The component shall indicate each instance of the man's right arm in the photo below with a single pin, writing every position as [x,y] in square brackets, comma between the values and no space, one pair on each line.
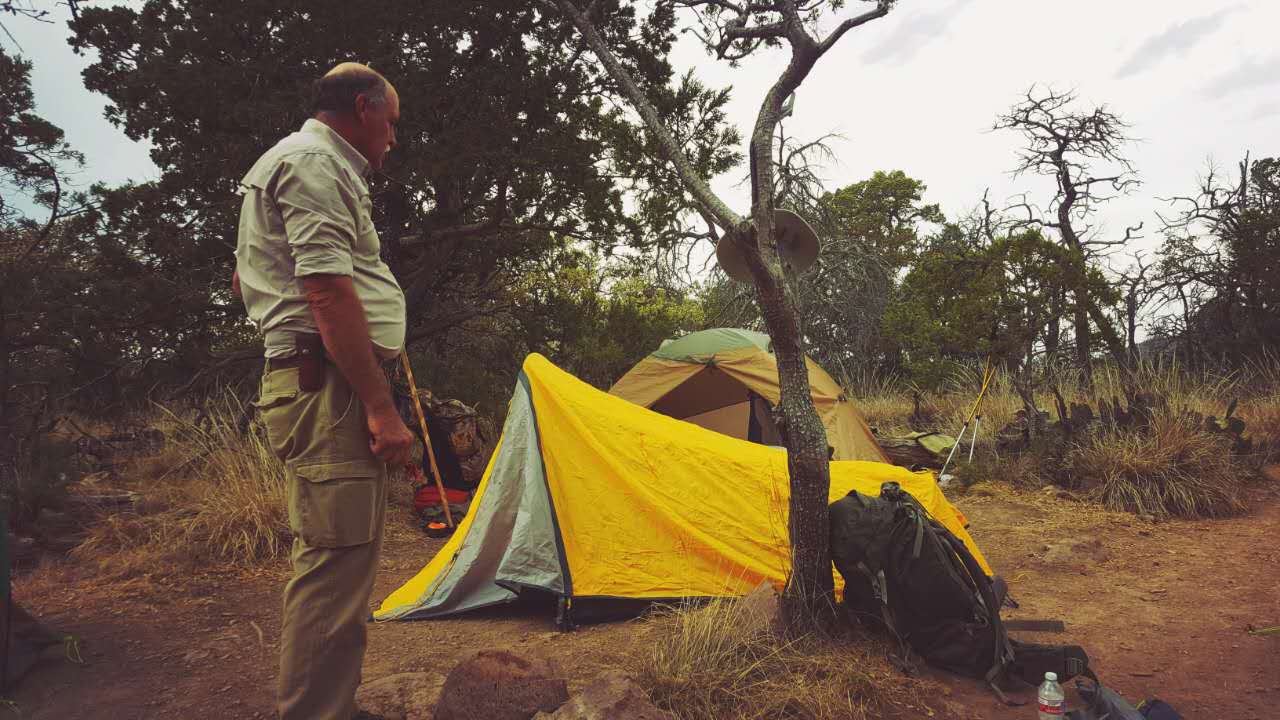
[345,332]
[318,204]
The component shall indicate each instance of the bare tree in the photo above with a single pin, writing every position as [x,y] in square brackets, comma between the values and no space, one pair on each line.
[1084,152]
[1220,259]
[1140,286]
[733,30]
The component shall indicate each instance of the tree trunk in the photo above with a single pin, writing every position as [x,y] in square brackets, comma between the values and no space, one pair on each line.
[1084,336]
[809,598]
[8,427]
[808,602]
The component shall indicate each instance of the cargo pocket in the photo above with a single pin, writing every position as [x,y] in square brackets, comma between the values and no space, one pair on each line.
[274,409]
[334,505]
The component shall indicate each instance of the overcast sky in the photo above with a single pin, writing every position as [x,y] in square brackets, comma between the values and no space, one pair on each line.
[919,90]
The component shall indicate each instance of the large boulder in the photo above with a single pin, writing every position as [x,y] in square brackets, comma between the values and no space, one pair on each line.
[499,685]
[403,696]
[612,697]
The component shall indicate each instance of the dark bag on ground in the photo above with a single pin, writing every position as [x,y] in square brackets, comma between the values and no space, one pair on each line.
[904,568]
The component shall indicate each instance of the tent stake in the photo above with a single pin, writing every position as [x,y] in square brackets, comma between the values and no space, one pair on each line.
[426,435]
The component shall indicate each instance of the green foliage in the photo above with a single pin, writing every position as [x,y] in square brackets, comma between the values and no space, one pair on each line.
[42,278]
[883,212]
[870,232]
[510,148]
[41,480]
[966,297]
[1221,263]
[594,318]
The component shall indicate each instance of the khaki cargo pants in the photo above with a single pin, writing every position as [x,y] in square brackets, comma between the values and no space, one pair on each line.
[337,501]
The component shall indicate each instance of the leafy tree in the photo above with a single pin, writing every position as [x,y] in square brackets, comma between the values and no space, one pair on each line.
[510,149]
[733,31]
[1220,263]
[870,233]
[969,296]
[40,276]
[1083,150]
[593,317]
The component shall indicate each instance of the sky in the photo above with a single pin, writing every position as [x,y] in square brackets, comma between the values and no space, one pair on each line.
[918,91]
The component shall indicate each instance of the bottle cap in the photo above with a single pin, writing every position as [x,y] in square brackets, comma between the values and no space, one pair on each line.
[1051,676]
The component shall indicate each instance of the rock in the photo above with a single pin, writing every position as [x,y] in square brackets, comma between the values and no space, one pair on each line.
[761,610]
[403,696]
[612,697]
[498,685]
[1074,552]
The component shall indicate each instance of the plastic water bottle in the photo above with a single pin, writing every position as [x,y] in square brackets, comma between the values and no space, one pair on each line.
[1053,702]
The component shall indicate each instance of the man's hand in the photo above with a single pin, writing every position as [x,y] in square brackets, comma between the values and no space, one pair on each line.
[390,440]
[345,331]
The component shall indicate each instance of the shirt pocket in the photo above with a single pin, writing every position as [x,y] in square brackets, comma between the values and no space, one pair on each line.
[336,504]
[367,243]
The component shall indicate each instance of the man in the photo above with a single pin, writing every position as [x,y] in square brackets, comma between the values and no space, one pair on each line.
[309,272]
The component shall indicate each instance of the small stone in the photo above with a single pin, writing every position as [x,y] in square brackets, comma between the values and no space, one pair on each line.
[403,696]
[612,697]
[761,610]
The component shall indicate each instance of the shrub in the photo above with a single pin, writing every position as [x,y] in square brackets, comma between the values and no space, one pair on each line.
[1173,468]
[214,493]
[40,480]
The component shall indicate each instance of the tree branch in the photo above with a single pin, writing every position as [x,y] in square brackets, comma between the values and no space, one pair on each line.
[696,184]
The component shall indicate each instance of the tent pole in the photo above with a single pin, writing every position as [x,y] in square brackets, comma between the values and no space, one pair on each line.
[426,435]
[973,441]
[988,374]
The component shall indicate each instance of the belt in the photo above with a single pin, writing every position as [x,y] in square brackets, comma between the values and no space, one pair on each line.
[280,363]
[307,347]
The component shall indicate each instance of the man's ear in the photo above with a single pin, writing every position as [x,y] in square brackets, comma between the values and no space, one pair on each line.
[362,107]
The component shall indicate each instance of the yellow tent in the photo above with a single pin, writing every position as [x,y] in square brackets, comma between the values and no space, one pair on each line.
[593,499]
[726,379]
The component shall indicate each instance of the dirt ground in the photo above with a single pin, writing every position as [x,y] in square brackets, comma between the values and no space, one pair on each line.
[1162,609]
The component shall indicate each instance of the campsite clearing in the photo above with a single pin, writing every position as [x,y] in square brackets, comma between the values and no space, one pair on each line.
[1162,609]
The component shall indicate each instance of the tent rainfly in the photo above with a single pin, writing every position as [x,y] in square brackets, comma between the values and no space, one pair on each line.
[595,500]
[726,380]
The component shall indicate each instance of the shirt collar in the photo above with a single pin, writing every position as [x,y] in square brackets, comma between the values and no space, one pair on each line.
[346,149]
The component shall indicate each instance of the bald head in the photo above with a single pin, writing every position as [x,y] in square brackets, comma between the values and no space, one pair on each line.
[361,106]
[338,89]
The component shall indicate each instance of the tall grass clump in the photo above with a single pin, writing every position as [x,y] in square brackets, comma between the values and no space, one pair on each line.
[215,493]
[1172,468]
[717,661]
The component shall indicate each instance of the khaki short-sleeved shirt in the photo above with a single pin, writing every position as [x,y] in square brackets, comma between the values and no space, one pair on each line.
[306,211]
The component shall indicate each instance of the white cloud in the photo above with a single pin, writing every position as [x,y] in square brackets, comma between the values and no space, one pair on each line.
[912,34]
[1248,74]
[1176,40]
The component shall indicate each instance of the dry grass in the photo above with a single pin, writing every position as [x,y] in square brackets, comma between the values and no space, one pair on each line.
[712,661]
[1173,469]
[213,494]
[889,405]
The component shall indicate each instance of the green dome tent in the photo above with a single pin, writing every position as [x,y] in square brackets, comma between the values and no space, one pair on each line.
[726,379]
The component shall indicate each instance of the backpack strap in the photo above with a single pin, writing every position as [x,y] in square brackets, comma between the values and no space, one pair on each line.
[1003,649]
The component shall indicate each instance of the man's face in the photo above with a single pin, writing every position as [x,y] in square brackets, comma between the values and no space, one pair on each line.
[378,126]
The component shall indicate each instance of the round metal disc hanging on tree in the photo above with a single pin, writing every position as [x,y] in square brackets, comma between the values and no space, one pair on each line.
[798,245]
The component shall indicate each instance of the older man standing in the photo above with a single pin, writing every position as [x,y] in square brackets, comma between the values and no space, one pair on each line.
[309,271]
